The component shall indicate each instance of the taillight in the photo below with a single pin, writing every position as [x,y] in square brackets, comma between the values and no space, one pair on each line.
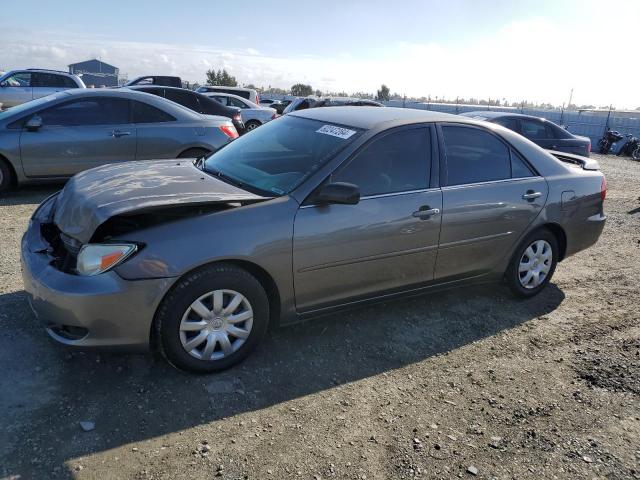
[230,131]
[237,117]
[257,99]
[603,189]
[274,116]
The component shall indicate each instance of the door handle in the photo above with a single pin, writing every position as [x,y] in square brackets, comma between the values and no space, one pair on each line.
[425,212]
[531,195]
[118,134]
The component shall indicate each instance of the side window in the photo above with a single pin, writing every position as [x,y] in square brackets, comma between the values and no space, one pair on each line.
[519,168]
[87,111]
[474,155]
[534,129]
[67,82]
[508,122]
[222,100]
[397,162]
[145,113]
[50,80]
[22,79]
[234,102]
[185,98]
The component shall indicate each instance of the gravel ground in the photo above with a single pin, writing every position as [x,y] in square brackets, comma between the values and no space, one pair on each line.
[465,384]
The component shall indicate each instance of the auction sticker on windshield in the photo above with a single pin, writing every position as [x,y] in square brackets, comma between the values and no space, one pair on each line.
[336,131]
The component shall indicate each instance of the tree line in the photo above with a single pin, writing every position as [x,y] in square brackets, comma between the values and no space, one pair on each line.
[223,78]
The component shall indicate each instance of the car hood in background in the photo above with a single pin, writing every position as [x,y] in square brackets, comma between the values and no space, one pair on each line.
[93,196]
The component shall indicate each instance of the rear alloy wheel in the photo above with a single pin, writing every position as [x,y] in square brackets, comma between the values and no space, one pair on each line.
[251,125]
[212,319]
[533,264]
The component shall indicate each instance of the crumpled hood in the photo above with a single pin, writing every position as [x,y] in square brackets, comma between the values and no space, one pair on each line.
[92,197]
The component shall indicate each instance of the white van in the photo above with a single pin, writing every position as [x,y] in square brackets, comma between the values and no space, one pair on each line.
[248,93]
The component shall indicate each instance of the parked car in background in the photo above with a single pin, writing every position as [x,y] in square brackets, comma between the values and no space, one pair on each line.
[162,80]
[20,86]
[540,131]
[279,105]
[57,136]
[315,102]
[246,93]
[252,115]
[318,211]
[195,101]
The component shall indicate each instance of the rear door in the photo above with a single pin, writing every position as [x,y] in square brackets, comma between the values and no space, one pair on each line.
[77,135]
[489,197]
[156,132]
[388,241]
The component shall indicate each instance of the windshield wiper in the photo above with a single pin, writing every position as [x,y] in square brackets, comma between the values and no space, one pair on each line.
[199,162]
[226,178]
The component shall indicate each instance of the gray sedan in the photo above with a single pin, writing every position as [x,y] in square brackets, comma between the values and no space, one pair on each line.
[316,211]
[57,136]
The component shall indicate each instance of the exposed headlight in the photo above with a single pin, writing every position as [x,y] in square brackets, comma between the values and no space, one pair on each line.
[96,258]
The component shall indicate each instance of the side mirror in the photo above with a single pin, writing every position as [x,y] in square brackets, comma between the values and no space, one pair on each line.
[338,193]
[33,124]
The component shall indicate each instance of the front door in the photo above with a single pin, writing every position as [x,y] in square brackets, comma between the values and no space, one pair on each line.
[77,135]
[16,89]
[388,241]
[490,196]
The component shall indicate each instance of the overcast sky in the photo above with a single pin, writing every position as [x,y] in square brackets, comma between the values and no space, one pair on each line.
[533,50]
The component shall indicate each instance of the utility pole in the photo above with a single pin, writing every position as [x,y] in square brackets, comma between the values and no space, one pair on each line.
[570,98]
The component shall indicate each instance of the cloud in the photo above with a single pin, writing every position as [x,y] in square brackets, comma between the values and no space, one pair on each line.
[535,60]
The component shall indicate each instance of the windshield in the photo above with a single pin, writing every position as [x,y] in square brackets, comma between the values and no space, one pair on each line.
[277,157]
[18,109]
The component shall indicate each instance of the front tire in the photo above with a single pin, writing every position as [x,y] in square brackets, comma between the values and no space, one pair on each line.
[5,176]
[636,153]
[533,264]
[212,319]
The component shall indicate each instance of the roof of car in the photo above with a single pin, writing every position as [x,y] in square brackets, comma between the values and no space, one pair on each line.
[494,114]
[370,117]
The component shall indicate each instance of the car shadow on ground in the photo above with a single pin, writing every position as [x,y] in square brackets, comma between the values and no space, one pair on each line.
[136,397]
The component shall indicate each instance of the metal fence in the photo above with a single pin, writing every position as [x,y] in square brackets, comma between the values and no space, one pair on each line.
[587,123]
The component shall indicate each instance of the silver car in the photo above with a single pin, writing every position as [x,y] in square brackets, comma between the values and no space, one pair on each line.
[19,86]
[252,115]
[60,135]
[320,210]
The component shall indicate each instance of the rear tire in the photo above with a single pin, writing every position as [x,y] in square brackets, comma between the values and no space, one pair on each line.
[193,153]
[199,329]
[251,125]
[636,153]
[6,176]
[533,263]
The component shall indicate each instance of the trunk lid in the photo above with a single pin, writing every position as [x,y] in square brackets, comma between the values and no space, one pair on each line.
[92,197]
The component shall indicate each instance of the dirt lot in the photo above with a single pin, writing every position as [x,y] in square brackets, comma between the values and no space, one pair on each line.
[468,383]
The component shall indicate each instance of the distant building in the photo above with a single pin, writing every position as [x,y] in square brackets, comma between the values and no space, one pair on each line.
[96,73]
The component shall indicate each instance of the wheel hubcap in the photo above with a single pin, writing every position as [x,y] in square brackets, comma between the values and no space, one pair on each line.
[535,264]
[216,325]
